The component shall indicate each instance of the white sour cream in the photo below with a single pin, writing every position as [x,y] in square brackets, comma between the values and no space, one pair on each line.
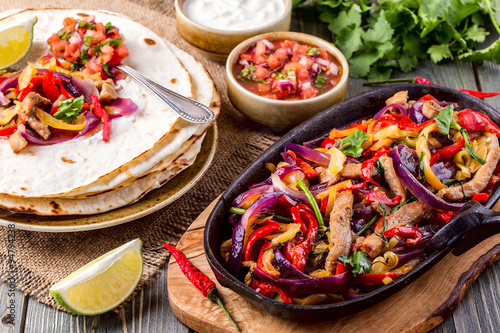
[234,15]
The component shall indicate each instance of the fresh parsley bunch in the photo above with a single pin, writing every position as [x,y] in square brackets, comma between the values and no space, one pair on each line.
[378,37]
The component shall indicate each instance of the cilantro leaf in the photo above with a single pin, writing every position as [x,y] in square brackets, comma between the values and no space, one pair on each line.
[346,18]
[443,120]
[476,33]
[359,262]
[349,40]
[381,31]
[69,109]
[439,52]
[352,144]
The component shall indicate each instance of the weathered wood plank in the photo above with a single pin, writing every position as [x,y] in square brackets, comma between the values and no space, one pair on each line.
[12,309]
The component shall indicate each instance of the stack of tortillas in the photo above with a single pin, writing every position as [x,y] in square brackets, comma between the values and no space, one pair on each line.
[145,150]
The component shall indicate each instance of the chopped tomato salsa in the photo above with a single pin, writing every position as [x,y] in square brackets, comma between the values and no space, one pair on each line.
[89,44]
[287,70]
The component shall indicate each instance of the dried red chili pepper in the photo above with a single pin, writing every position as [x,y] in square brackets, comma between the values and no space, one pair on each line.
[421,80]
[106,121]
[447,152]
[200,280]
[475,121]
[413,234]
[479,94]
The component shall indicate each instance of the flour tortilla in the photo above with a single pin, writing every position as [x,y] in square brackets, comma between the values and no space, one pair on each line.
[204,91]
[103,202]
[132,189]
[40,171]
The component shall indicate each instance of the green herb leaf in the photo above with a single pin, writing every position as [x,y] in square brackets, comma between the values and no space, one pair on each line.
[352,144]
[281,76]
[443,120]
[109,26]
[359,262]
[68,110]
[313,51]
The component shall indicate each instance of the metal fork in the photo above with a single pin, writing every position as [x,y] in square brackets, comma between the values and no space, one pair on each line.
[187,108]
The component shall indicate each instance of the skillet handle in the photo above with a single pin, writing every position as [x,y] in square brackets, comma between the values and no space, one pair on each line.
[473,224]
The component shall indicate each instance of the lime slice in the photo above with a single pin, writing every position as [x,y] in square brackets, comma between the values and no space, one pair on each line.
[102,284]
[15,42]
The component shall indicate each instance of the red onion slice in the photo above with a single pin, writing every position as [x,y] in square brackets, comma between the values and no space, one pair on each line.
[401,109]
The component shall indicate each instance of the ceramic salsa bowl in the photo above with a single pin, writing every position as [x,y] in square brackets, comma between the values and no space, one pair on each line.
[284,114]
[478,221]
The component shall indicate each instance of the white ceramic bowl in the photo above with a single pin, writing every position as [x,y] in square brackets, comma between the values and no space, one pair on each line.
[283,114]
[217,44]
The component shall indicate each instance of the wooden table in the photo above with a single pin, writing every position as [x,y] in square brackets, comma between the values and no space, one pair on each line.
[149,311]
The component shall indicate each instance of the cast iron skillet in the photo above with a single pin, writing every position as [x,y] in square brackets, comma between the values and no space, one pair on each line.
[474,221]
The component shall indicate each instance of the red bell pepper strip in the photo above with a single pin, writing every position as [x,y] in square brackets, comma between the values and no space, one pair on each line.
[36,81]
[357,186]
[324,204]
[295,212]
[54,109]
[447,152]
[64,92]
[306,208]
[402,121]
[382,197]
[200,280]
[328,143]
[373,278]
[300,252]
[413,234]
[475,121]
[99,111]
[445,216]
[285,202]
[480,197]
[49,86]
[8,130]
[428,97]
[267,229]
[306,167]
[267,288]
[479,94]
[366,165]
[341,268]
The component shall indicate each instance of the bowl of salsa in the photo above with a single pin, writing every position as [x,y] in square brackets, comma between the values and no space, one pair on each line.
[281,79]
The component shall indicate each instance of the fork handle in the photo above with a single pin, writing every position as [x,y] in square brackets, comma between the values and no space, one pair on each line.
[188,109]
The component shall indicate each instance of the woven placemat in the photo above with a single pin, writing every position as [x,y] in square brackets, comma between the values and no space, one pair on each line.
[42,259]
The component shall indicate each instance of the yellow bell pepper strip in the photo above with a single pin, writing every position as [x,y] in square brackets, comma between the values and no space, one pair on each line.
[266,255]
[26,75]
[337,160]
[313,202]
[9,114]
[47,119]
[423,150]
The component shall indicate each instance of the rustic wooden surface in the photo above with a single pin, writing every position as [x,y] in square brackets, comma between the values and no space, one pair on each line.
[479,310]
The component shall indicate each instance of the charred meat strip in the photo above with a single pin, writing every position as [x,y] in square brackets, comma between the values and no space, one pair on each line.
[478,183]
[341,236]
[17,142]
[28,113]
[407,215]
[392,178]
[431,109]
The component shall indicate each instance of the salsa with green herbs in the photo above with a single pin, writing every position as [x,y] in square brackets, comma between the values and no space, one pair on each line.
[287,70]
[89,44]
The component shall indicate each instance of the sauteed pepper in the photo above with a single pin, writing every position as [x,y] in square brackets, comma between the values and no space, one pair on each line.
[300,252]
[106,121]
[200,280]
[447,152]
[475,121]
[413,234]
[382,197]
[267,229]
[366,165]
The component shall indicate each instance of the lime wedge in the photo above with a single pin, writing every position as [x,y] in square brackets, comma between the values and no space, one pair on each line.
[15,42]
[102,284]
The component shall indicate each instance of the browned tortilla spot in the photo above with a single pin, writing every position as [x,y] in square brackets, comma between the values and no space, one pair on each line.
[82,15]
[175,131]
[20,210]
[149,41]
[214,105]
[67,160]
[23,188]
[55,205]
[173,81]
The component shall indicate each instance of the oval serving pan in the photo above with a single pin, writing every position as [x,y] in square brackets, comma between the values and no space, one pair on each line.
[473,224]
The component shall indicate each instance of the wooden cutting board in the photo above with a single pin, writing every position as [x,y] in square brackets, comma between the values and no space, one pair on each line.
[419,307]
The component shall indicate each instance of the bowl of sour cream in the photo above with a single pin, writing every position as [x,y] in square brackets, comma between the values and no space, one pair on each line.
[215,27]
